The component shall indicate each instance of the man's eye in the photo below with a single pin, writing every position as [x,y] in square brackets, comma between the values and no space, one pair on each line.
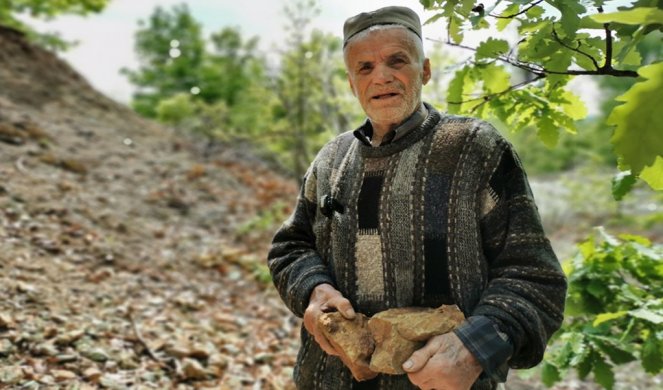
[397,61]
[365,68]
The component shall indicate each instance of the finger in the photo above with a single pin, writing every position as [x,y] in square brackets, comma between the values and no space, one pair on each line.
[420,357]
[343,306]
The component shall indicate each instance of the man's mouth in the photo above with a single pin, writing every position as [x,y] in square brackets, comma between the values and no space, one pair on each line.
[385,95]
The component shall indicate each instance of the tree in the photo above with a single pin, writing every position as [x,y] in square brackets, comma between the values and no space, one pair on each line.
[45,10]
[200,84]
[312,90]
[559,40]
[170,50]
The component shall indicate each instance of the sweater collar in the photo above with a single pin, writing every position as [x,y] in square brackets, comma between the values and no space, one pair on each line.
[364,133]
[405,140]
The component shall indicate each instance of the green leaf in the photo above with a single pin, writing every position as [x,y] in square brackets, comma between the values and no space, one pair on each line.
[535,12]
[491,48]
[653,174]
[504,21]
[574,108]
[652,358]
[589,23]
[647,315]
[495,79]
[603,374]
[455,30]
[617,353]
[427,3]
[603,317]
[638,137]
[571,11]
[585,366]
[622,183]
[547,131]
[640,15]
[550,374]
[455,91]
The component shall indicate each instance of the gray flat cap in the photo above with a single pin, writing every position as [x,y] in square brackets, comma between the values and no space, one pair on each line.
[402,16]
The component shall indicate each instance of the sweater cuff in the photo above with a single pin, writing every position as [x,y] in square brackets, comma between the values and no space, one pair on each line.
[300,293]
[491,347]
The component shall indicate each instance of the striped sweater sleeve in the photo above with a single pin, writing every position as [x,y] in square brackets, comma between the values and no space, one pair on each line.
[294,262]
[526,286]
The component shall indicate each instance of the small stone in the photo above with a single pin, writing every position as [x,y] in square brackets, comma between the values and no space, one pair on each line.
[92,374]
[219,360]
[96,354]
[66,358]
[192,369]
[177,350]
[110,382]
[10,375]
[6,321]
[47,380]
[69,337]
[45,349]
[6,347]
[264,358]
[63,375]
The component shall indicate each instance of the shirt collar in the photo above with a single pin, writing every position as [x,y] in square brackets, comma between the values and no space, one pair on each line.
[365,131]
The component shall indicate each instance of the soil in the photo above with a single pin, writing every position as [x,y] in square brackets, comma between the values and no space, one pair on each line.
[132,256]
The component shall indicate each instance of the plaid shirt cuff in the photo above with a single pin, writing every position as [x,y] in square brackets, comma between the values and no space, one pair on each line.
[488,344]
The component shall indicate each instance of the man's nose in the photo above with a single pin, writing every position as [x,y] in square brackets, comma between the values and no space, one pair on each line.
[383,74]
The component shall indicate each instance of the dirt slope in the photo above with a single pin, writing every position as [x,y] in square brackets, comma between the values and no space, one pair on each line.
[121,265]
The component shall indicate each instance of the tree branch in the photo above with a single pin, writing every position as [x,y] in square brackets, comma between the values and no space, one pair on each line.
[519,13]
[488,97]
[577,50]
[608,44]
[536,69]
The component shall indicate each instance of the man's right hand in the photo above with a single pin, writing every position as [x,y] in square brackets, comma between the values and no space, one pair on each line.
[325,298]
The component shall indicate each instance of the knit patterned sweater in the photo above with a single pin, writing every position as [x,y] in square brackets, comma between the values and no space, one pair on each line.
[442,215]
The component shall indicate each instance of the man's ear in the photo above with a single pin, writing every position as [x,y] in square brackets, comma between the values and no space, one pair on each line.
[352,87]
[427,74]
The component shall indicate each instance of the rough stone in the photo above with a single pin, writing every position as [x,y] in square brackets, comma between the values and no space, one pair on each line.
[353,341]
[401,331]
[382,343]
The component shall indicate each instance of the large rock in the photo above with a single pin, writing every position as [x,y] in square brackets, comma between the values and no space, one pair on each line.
[399,332]
[381,344]
[353,341]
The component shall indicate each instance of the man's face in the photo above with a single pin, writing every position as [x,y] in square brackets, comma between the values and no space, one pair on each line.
[386,75]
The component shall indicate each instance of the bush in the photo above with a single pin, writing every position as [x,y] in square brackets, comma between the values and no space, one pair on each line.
[614,310]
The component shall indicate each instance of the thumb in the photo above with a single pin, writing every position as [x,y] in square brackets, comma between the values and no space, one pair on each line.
[345,308]
[420,357]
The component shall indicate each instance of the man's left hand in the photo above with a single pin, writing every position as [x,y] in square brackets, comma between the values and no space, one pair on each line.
[444,363]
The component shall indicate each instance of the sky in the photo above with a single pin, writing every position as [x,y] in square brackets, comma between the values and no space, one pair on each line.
[105,40]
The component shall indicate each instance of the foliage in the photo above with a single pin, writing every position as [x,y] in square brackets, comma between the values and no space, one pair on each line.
[558,41]
[221,88]
[176,59]
[9,9]
[170,51]
[614,310]
[311,106]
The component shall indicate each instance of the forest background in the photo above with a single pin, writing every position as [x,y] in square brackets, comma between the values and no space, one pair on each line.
[601,166]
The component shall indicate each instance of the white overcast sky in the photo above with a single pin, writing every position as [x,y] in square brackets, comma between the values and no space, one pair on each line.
[106,39]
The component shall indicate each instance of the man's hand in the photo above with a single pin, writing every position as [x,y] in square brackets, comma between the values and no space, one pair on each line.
[443,364]
[325,298]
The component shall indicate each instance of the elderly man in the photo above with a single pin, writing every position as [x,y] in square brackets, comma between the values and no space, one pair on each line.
[417,208]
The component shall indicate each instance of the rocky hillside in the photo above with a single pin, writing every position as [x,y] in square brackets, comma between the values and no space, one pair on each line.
[128,260]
